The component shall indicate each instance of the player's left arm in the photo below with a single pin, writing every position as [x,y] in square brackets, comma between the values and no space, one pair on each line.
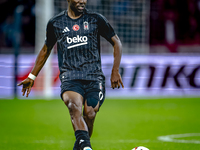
[116,80]
[106,31]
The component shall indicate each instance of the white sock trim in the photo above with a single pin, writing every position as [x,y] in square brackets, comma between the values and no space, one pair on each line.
[87,148]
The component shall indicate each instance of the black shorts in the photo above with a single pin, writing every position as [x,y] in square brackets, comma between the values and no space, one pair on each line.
[87,88]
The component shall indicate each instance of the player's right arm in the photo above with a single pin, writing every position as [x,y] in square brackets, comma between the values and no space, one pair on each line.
[41,59]
[39,63]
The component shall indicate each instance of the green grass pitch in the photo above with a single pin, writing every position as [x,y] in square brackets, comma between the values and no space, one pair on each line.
[120,124]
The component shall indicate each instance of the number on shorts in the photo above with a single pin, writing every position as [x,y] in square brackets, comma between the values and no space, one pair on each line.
[100,95]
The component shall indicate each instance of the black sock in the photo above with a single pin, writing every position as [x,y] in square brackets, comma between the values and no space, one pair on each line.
[76,146]
[82,138]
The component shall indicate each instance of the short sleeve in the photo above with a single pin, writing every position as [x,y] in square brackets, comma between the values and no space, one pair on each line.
[105,29]
[50,35]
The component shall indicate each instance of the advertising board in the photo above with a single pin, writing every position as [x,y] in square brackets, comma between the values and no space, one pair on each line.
[142,75]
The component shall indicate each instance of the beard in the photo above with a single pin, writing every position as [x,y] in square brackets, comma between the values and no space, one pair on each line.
[78,10]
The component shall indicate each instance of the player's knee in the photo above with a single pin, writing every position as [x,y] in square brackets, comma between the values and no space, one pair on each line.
[71,103]
[73,108]
[90,114]
[91,108]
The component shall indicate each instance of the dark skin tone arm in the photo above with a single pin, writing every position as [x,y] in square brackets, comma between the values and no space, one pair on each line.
[115,79]
[40,61]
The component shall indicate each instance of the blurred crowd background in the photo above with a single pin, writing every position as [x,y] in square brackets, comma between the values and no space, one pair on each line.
[7,24]
[178,17]
[167,26]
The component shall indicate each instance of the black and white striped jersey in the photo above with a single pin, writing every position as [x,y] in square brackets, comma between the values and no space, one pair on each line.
[78,44]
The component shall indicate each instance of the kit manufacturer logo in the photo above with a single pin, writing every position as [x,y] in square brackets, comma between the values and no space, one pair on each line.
[66,29]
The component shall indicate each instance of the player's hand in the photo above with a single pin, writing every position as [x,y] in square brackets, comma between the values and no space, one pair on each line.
[27,85]
[116,80]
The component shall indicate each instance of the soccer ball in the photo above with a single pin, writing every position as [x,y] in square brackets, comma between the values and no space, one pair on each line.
[140,148]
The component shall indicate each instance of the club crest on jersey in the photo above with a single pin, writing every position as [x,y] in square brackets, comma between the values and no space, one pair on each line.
[86,26]
[76,27]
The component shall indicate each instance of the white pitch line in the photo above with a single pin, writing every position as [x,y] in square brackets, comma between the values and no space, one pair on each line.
[172,138]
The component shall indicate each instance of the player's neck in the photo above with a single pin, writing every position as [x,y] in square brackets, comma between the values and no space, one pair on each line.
[73,14]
